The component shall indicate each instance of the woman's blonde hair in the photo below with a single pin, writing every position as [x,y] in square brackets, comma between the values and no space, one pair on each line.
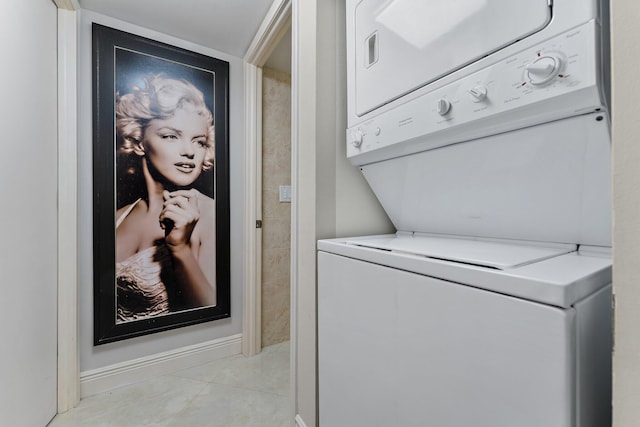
[160,99]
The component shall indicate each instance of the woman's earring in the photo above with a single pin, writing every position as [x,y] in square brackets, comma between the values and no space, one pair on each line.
[138,149]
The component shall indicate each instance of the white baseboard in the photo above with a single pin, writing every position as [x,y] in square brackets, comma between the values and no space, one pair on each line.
[299,421]
[113,376]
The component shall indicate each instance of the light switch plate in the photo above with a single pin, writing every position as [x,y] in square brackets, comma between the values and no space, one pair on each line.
[285,194]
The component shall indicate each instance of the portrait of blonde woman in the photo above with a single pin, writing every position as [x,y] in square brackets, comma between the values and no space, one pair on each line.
[161,210]
[165,256]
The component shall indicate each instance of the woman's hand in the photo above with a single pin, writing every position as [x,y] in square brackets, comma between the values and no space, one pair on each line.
[179,216]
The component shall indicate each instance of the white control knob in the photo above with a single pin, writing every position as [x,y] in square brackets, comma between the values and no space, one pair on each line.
[443,106]
[478,93]
[544,69]
[356,138]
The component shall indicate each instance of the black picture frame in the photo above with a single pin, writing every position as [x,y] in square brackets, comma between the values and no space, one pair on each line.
[120,61]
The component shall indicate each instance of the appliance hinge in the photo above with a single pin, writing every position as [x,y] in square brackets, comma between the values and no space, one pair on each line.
[613,323]
[258,223]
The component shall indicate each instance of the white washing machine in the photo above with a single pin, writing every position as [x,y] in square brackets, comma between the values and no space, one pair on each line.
[490,307]
[462,333]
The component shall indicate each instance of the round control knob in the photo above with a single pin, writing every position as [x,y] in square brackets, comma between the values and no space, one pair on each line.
[356,138]
[544,69]
[478,93]
[443,106]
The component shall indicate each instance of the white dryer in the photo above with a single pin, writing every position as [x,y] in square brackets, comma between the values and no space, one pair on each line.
[483,130]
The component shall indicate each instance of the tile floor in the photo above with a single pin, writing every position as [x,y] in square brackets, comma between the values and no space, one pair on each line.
[231,392]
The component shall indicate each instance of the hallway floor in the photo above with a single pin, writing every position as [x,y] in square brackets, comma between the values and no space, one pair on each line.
[231,392]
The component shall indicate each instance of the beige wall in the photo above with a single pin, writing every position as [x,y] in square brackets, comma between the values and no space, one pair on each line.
[276,216]
[626,211]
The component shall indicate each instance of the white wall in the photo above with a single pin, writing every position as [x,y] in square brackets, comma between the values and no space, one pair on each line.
[345,203]
[29,213]
[100,356]
[358,211]
[346,206]
[626,211]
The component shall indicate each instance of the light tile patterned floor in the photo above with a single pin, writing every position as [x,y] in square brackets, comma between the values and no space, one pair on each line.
[232,392]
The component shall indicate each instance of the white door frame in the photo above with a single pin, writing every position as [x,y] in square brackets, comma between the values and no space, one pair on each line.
[273,27]
[68,350]
[252,291]
[275,24]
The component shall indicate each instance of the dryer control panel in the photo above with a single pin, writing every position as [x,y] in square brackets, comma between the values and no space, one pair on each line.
[550,81]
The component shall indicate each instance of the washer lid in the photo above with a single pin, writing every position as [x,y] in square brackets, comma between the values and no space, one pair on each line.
[484,253]
[559,280]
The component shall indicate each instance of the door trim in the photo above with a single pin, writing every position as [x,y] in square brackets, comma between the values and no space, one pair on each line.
[252,293]
[68,352]
[273,27]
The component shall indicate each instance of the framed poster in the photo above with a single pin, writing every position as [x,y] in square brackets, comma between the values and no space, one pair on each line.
[161,186]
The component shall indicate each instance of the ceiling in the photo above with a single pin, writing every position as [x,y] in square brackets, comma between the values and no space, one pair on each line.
[224,25]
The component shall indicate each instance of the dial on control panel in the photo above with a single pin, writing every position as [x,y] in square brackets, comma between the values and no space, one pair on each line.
[478,93]
[356,138]
[443,106]
[543,69]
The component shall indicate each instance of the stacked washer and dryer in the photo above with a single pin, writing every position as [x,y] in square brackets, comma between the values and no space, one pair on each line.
[482,127]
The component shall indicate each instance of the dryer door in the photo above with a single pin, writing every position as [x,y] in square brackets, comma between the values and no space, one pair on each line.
[401,45]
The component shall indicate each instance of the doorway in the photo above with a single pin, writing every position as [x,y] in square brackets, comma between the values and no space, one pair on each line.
[276,194]
[270,49]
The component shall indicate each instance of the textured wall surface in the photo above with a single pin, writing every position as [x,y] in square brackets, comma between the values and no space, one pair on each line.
[276,216]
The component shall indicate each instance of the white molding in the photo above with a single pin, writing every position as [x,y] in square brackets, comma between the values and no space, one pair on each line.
[252,293]
[72,5]
[273,27]
[68,353]
[132,371]
[275,24]
[299,421]
[295,118]
[304,96]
